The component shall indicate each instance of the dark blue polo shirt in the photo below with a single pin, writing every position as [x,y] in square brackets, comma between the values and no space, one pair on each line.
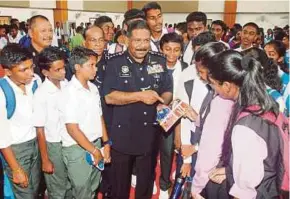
[134,126]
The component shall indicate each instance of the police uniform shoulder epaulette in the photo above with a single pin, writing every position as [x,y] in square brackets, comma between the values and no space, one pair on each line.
[110,56]
[156,53]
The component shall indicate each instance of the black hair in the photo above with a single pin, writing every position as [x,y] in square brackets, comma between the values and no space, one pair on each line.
[134,25]
[49,55]
[33,19]
[254,25]
[270,69]
[221,24]
[197,16]
[133,14]
[117,35]
[13,26]
[279,35]
[203,38]
[278,46]
[205,52]
[171,37]
[245,72]
[86,30]
[2,27]
[151,6]
[80,55]
[13,54]
[13,20]
[101,20]
[182,27]
[79,29]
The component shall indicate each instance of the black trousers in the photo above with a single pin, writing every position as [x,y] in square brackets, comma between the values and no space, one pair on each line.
[121,171]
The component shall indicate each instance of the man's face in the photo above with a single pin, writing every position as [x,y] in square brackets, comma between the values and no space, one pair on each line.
[285,41]
[88,69]
[272,53]
[56,71]
[57,24]
[13,32]
[21,73]
[194,28]
[154,20]
[172,51]
[95,40]
[108,29]
[139,43]
[2,32]
[217,31]
[41,33]
[248,36]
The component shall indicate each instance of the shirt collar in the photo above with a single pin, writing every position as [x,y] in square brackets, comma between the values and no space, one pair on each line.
[132,60]
[164,31]
[17,88]
[77,84]
[51,88]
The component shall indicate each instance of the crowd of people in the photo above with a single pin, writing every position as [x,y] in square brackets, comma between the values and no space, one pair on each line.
[78,118]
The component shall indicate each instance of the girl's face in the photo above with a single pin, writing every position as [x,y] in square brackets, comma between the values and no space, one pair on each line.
[272,53]
[202,71]
[225,90]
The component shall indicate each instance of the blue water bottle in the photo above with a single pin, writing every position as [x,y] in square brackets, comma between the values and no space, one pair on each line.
[91,160]
[177,188]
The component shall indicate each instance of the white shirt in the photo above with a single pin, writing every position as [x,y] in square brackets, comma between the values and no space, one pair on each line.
[176,76]
[45,110]
[19,128]
[112,48]
[198,94]
[188,53]
[60,31]
[16,39]
[3,42]
[152,40]
[83,107]
[240,48]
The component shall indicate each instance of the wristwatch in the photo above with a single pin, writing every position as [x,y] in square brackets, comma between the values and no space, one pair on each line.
[109,142]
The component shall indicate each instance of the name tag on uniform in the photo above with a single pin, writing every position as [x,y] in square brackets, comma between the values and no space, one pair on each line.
[125,72]
[155,68]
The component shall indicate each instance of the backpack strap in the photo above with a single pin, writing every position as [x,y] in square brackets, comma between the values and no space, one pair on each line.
[9,96]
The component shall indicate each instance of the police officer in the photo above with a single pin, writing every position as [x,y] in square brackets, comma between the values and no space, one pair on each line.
[136,82]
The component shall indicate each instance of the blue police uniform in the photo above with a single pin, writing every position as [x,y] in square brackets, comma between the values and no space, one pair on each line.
[133,126]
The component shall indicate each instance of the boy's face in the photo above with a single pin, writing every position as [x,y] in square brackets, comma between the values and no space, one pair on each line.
[172,51]
[88,69]
[13,32]
[286,42]
[2,32]
[202,72]
[21,74]
[272,53]
[248,36]
[56,71]
[154,20]
[194,28]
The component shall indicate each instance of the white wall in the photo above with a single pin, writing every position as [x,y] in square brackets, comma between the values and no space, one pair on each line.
[75,4]
[42,4]
[25,13]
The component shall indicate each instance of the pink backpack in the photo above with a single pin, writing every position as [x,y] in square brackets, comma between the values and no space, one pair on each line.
[282,123]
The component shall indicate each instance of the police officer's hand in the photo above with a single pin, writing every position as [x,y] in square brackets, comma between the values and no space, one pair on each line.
[47,166]
[97,156]
[107,153]
[20,177]
[149,97]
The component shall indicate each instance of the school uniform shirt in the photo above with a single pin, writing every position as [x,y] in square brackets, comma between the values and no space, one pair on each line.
[3,42]
[176,73]
[194,98]
[115,48]
[249,153]
[45,110]
[188,53]
[210,146]
[19,128]
[81,106]
[155,43]
[16,39]
[240,48]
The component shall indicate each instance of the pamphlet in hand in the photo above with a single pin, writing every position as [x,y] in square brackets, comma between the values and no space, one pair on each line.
[168,116]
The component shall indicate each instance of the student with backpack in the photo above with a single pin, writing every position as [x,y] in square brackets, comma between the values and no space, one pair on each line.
[18,142]
[46,119]
[254,160]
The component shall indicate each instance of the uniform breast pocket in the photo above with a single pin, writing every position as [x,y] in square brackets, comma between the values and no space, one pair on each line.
[156,79]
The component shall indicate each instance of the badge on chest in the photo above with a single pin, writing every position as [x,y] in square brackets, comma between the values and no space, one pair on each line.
[125,72]
[154,68]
